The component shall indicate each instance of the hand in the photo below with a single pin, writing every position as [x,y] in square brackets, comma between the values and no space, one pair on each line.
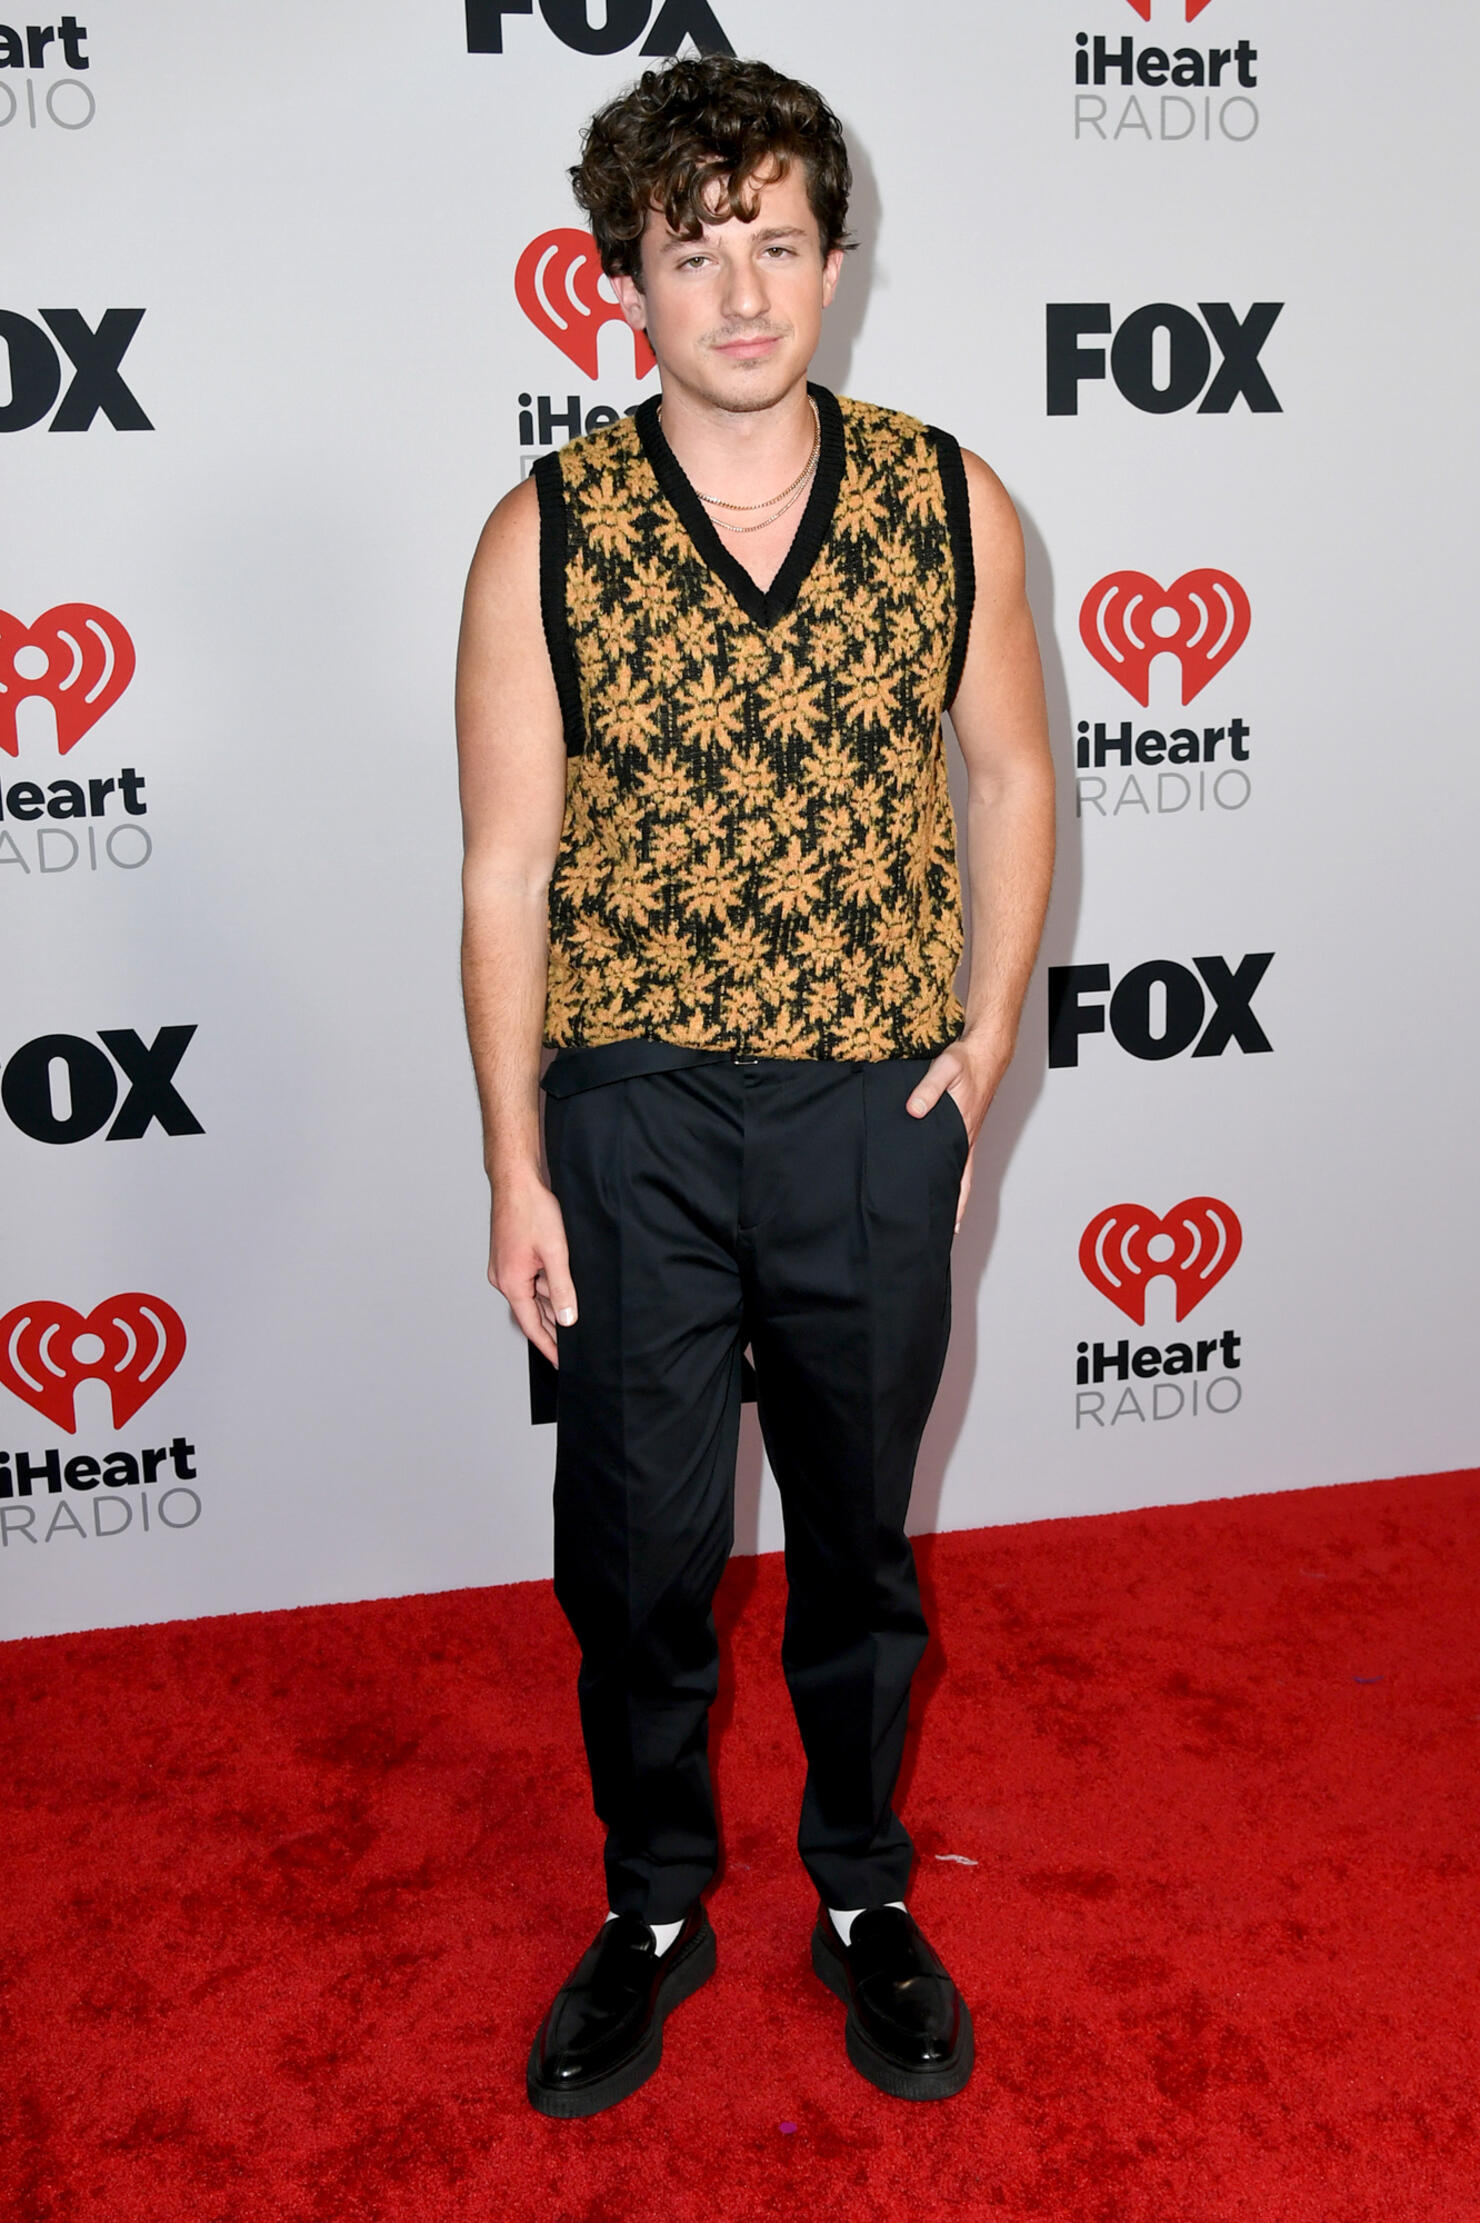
[528,1262]
[972,1072]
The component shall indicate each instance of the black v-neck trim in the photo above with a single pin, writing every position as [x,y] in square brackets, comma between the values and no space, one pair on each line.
[764,605]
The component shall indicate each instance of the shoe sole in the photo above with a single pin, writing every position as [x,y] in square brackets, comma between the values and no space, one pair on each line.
[693,1967]
[881,2070]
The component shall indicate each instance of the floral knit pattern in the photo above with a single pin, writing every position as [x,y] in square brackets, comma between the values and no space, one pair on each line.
[758,850]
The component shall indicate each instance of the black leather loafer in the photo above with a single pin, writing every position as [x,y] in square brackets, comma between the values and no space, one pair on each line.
[603,2035]
[908,2028]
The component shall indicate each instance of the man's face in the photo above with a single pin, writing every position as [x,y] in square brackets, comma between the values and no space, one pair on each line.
[734,315]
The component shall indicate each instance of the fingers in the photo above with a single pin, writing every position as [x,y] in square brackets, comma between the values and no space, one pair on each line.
[534,1310]
[531,1320]
[537,1308]
[530,1266]
[557,1289]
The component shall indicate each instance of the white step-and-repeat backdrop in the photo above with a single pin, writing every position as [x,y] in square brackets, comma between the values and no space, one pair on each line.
[290,296]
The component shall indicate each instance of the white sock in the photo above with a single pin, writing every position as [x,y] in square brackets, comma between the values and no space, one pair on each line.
[663,1932]
[843,1918]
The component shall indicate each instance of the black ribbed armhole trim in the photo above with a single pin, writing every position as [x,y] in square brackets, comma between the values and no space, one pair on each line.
[958,525]
[550,489]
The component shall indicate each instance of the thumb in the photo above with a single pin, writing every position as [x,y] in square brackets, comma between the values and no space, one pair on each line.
[931,1086]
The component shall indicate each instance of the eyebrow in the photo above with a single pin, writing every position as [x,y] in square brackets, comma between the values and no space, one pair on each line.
[676,244]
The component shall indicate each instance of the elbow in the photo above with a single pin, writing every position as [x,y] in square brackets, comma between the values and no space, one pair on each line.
[506,883]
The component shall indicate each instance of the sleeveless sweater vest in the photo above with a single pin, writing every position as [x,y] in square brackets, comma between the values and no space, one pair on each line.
[758,851]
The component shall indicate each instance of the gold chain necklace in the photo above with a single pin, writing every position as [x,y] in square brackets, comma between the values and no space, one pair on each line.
[785,498]
[714,501]
[791,498]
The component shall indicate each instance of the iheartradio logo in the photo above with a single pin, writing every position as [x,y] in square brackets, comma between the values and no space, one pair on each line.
[76,657]
[133,1342]
[1125,1247]
[1194,9]
[1127,620]
[557,284]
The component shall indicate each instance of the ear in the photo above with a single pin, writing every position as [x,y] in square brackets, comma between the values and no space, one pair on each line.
[631,302]
[832,269]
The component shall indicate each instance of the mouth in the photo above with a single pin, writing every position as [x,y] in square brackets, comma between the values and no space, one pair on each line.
[753,350]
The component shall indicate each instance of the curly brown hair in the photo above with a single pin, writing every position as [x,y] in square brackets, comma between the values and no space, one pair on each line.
[682,131]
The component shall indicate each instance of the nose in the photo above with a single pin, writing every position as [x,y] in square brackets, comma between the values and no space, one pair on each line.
[745,296]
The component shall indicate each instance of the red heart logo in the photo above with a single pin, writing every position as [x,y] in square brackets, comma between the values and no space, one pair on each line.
[1202,619]
[45,1351]
[78,657]
[1194,9]
[555,285]
[1125,1245]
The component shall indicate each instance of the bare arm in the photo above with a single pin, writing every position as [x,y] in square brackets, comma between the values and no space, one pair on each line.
[511,763]
[1001,723]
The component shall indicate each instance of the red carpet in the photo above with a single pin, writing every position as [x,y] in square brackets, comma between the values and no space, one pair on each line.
[285,1894]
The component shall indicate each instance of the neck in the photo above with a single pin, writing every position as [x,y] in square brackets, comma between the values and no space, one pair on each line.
[741,455]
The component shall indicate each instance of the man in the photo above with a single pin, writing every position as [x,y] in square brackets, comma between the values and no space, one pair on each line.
[711,858]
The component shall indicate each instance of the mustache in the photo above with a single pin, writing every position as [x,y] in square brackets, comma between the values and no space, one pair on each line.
[747,332]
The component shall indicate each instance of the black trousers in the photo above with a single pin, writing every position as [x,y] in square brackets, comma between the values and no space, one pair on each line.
[797,1207]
